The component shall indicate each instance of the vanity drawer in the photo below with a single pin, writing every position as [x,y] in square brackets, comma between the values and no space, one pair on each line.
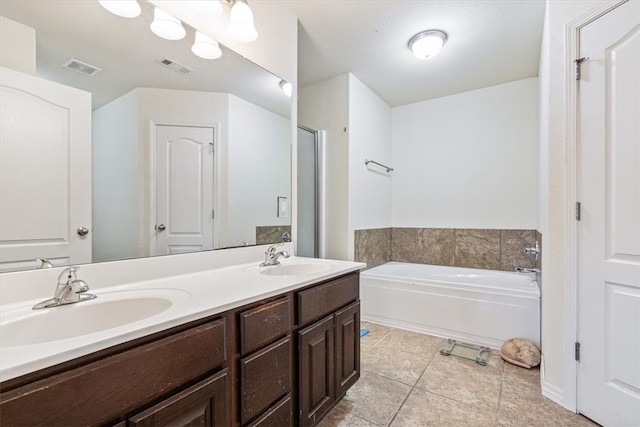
[263,324]
[279,415]
[101,391]
[320,300]
[265,377]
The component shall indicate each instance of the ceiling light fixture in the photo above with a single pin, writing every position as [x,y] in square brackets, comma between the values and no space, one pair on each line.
[286,87]
[124,8]
[427,44]
[206,47]
[241,26]
[206,7]
[166,26]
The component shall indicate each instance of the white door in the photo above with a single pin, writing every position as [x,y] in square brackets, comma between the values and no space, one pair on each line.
[609,230]
[184,189]
[45,172]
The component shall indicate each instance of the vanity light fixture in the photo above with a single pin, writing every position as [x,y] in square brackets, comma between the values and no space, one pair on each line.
[286,87]
[166,26]
[427,44]
[206,7]
[241,26]
[124,8]
[205,47]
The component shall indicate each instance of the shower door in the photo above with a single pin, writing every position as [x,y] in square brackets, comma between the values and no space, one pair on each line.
[308,192]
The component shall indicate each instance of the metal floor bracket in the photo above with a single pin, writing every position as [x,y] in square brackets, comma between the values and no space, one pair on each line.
[461,349]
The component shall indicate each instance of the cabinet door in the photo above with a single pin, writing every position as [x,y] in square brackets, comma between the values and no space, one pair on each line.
[347,348]
[316,369]
[203,404]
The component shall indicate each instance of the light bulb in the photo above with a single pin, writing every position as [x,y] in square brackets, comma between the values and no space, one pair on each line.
[166,26]
[286,87]
[427,44]
[206,47]
[241,25]
[124,8]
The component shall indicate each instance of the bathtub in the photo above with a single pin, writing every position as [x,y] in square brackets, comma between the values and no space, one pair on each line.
[483,307]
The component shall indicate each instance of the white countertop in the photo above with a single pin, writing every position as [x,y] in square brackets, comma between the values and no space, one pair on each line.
[193,296]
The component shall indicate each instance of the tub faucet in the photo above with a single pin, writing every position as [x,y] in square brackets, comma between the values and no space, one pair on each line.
[271,256]
[527,270]
[535,250]
[69,290]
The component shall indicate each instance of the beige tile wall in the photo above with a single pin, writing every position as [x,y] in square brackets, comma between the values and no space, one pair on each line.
[269,234]
[493,249]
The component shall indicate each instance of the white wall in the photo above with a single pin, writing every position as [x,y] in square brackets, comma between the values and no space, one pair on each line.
[468,160]
[553,192]
[325,105]
[369,138]
[17,46]
[259,170]
[116,193]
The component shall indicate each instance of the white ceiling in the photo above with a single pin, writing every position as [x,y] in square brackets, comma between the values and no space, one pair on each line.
[489,42]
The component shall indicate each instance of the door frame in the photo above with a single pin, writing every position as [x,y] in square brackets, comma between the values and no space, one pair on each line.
[569,396]
[151,179]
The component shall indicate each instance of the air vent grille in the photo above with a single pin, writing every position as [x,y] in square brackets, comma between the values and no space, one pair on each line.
[176,66]
[81,67]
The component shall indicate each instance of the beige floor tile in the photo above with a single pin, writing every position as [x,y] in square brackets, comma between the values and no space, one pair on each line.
[340,416]
[394,364]
[527,376]
[412,342]
[376,334]
[375,398]
[423,408]
[464,381]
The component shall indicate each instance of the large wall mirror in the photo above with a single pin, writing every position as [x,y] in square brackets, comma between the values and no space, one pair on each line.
[186,154]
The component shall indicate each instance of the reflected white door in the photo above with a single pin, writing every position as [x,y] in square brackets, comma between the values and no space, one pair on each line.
[184,189]
[308,197]
[45,172]
[609,230]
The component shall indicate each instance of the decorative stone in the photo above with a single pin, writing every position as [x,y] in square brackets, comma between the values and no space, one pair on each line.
[521,352]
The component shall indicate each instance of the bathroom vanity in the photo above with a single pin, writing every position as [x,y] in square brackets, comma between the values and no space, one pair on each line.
[284,357]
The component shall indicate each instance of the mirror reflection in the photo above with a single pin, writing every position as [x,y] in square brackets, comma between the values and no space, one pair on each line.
[137,147]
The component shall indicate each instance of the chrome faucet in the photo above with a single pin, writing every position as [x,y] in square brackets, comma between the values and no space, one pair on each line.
[69,290]
[271,256]
[527,270]
[535,250]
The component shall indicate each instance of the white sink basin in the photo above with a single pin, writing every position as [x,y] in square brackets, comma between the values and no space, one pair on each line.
[295,269]
[108,311]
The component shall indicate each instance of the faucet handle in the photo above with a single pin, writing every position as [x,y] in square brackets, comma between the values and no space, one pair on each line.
[68,274]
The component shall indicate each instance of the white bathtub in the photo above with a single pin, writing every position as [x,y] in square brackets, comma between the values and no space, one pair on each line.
[483,307]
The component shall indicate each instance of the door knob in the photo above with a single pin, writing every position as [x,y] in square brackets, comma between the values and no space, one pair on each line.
[82,231]
[160,227]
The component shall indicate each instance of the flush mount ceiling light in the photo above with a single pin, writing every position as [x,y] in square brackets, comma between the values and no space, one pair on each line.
[286,87]
[427,44]
[206,47]
[166,26]
[206,7]
[240,24]
[124,8]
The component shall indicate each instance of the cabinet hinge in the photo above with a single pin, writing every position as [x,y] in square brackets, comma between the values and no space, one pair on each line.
[577,351]
[579,62]
[578,209]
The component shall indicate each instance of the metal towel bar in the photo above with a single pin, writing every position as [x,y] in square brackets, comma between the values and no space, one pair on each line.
[366,162]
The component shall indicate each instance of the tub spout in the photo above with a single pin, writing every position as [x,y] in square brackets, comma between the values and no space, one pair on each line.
[527,270]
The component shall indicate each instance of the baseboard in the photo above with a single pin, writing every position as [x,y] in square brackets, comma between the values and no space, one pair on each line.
[550,391]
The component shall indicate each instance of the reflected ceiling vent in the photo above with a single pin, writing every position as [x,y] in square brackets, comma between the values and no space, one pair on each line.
[81,67]
[176,66]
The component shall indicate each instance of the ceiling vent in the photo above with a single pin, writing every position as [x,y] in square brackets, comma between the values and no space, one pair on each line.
[176,66]
[81,67]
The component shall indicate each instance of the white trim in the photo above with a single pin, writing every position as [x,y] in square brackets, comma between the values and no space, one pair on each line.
[550,391]
[571,325]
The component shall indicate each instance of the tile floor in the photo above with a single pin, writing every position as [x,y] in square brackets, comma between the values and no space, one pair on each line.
[405,381]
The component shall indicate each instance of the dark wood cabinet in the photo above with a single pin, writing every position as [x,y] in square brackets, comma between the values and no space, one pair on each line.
[329,349]
[256,365]
[203,404]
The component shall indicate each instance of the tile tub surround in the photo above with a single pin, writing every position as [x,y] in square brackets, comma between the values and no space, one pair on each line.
[269,234]
[406,382]
[493,249]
